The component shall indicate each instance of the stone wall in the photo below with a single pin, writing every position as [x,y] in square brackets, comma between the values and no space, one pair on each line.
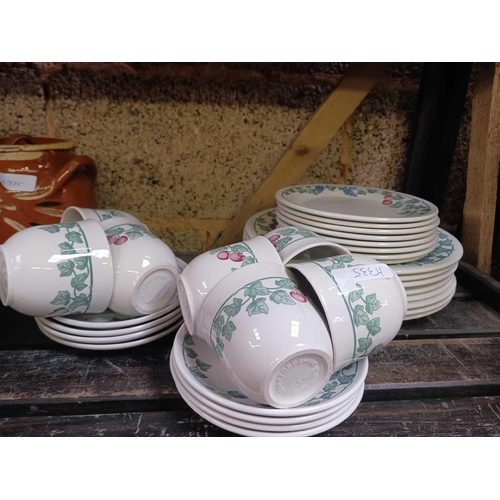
[183,145]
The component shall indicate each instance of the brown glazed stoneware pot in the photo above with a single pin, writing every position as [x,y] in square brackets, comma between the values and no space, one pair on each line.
[63,179]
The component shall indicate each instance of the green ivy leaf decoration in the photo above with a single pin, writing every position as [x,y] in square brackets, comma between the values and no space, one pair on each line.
[218,324]
[255,289]
[360,316]
[66,248]
[283,242]
[188,339]
[236,394]
[373,326]
[202,365]
[258,306]
[115,231]
[372,304]
[249,259]
[281,297]
[190,353]
[66,268]
[286,232]
[51,229]
[239,248]
[80,300]
[285,283]
[356,294]
[74,237]
[197,372]
[234,308]
[81,262]
[63,298]
[228,329]
[78,282]
[364,344]
[134,234]
[60,310]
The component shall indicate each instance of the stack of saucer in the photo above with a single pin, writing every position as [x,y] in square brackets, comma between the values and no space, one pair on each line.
[205,386]
[389,226]
[112,331]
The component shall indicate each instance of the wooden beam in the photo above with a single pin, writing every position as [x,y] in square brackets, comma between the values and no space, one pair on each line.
[482,170]
[359,79]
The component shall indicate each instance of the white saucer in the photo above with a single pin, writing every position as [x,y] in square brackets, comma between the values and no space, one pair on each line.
[415,293]
[202,371]
[429,274]
[251,431]
[146,332]
[429,301]
[356,203]
[423,313]
[113,347]
[170,317]
[428,281]
[246,420]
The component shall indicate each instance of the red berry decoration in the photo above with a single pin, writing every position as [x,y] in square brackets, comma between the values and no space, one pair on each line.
[121,240]
[387,201]
[112,239]
[274,239]
[298,295]
[224,255]
[237,257]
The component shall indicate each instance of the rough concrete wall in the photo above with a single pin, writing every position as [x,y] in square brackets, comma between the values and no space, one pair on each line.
[183,146]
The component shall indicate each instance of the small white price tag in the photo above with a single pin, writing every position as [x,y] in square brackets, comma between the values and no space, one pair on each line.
[348,277]
[18,182]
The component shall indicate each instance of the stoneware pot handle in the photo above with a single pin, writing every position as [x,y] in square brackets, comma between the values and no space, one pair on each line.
[76,163]
[17,138]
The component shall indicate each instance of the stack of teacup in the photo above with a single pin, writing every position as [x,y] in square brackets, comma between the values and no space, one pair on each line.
[276,337]
[97,280]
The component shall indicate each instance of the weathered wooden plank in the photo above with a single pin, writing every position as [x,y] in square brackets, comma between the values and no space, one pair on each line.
[58,382]
[427,417]
[482,168]
[481,285]
[319,130]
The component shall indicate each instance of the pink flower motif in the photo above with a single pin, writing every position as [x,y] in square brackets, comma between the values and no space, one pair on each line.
[298,295]
[237,257]
[274,239]
[112,239]
[224,255]
[387,201]
[121,240]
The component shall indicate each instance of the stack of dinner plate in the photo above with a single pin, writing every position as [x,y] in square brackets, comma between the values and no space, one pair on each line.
[111,331]
[204,384]
[395,228]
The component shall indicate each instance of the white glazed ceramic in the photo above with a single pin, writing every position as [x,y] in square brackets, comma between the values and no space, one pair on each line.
[145,271]
[361,321]
[112,347]
[358,238]
[447,252]
[424,312]
[424,275]
[369,229]
[390,249]
[298,245]
[245,420]
[427,281]
[171,317]
[201,370]
[356,203]
[436,299]
[251,429]
[273,428]
[207,269]
[57,269]
[415,293]
[272,340]
[145,332]
[109,319]
[76,214]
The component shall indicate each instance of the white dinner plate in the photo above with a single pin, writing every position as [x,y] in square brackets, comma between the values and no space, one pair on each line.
[396,240]
[423,313]
[407,278]
[356,203]
[429,301]
[428,281]
[112,347]
[204,373]
[386,248]
[415,293]
[431,305]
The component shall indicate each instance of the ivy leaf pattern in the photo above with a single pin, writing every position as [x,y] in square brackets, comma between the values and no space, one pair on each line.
[74,237]
[202,366]
[66,268]
[236,395]
[80,300]
[218,324]
[281,297]
[133,234]
[81,262]
[51,229]
[372,304]
[373,326]
[255,289]
[360,316]
[115,231]
[258,306]
[234,308]
[285,283]
[283,242]
[190,353]
[356,294]
[67,248]
[78,282]
[63,298]
[364,344]
[228,329]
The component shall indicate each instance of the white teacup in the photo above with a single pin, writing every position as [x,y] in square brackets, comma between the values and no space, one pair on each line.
[299,245]
[273,341]
[364,316]
[56,270]
[104,216]
[207,269]
[145,270]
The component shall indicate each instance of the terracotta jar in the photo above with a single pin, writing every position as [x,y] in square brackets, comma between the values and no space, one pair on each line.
[63,178]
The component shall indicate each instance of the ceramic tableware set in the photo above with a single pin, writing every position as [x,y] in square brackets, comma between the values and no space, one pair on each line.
[98,280]
[277,335]
[394,228]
